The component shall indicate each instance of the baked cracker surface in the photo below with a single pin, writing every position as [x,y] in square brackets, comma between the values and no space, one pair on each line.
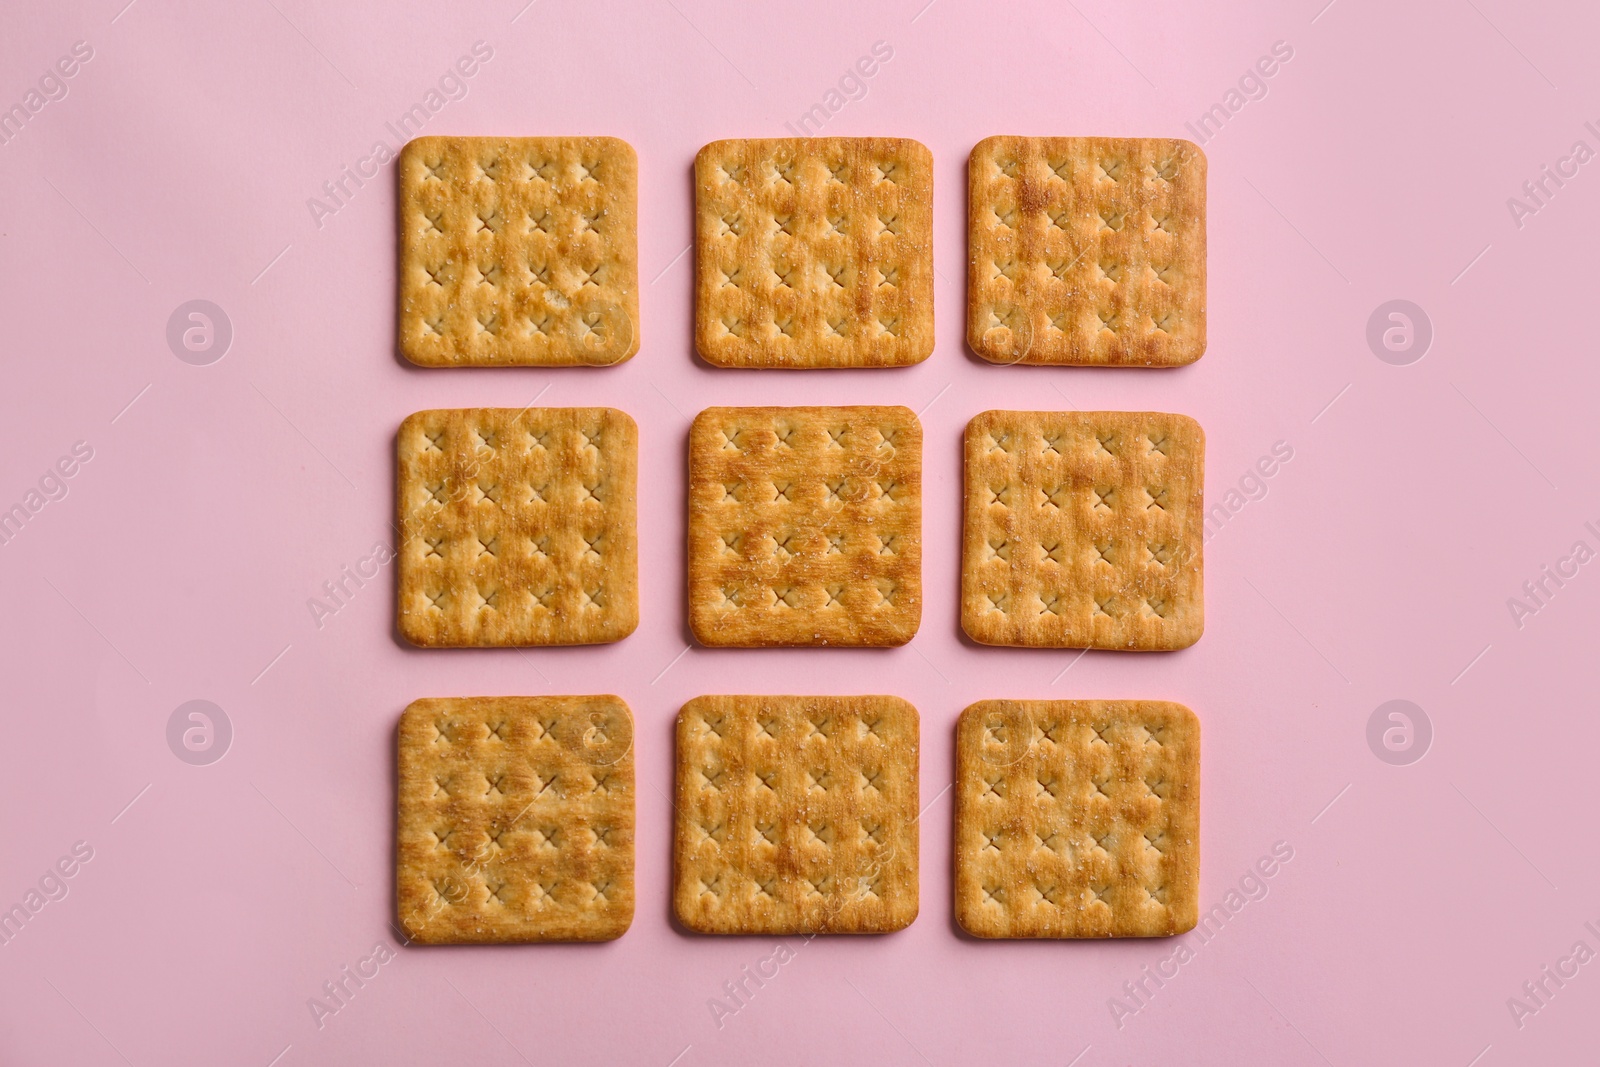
[814,252]
[1083,529]
[518,251]
[517,527]
[1086,251]
[805,526]
[1077,818]
[796,815]
[515,819]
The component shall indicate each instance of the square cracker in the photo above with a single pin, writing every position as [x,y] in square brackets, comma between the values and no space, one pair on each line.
[1086,251]
[518,251]
[805,526]
[814,252]
[1077,818]
[1083,530]
[796,815]
[515,819]
[518,527]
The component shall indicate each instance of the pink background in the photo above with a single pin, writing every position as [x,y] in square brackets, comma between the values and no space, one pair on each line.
[1377,567]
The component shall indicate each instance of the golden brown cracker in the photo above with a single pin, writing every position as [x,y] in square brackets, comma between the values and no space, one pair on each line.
[518,527]
[814,252]
[796,815]
[805,526]
[515,819]
[1077,818]
[1083,530]
[1086,251]
[518,251]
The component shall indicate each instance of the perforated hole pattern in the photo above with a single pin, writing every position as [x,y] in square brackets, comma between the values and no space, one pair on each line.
[814,252]
[1083,529]
[515,819]
[517,251]
[1077,818]
[796,814]
[1086,250]
[518,527]
[805,526]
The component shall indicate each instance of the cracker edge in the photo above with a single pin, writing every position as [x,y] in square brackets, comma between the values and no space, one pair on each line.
[1200,449]
[1204,256]
[678,726]
[414,709]
[962,757]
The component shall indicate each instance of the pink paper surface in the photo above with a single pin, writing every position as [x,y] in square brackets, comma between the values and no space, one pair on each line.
[1376,163]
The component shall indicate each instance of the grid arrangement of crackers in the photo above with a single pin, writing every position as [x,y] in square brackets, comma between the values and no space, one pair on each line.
[517,527]
[814,252]
[796,815]
[515,819]
[1083,530]
[805,526]
[1077,818]
[1086,251]
[518,251]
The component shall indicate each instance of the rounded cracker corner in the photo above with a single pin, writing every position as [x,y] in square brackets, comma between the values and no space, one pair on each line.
[1194,151]
[901,923]
[619,144]
[694,924]
[616,700]
[1188,421]
[899,639]
[979,348]
[625,628]
[406,624]
[413,146]
[704,633]
[1188,360]
[417,359]
[901,411]
[975,710]
[967,623]
[627,924]
[985,145]
[1184,711]
[1189,639]
[415,710]
[628,420]
[705,349]
[978,421]
[906,705]
[689,706]
[405,922]
[412,935]
[410,422]
[961,918]
[704,416]
[706,156]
